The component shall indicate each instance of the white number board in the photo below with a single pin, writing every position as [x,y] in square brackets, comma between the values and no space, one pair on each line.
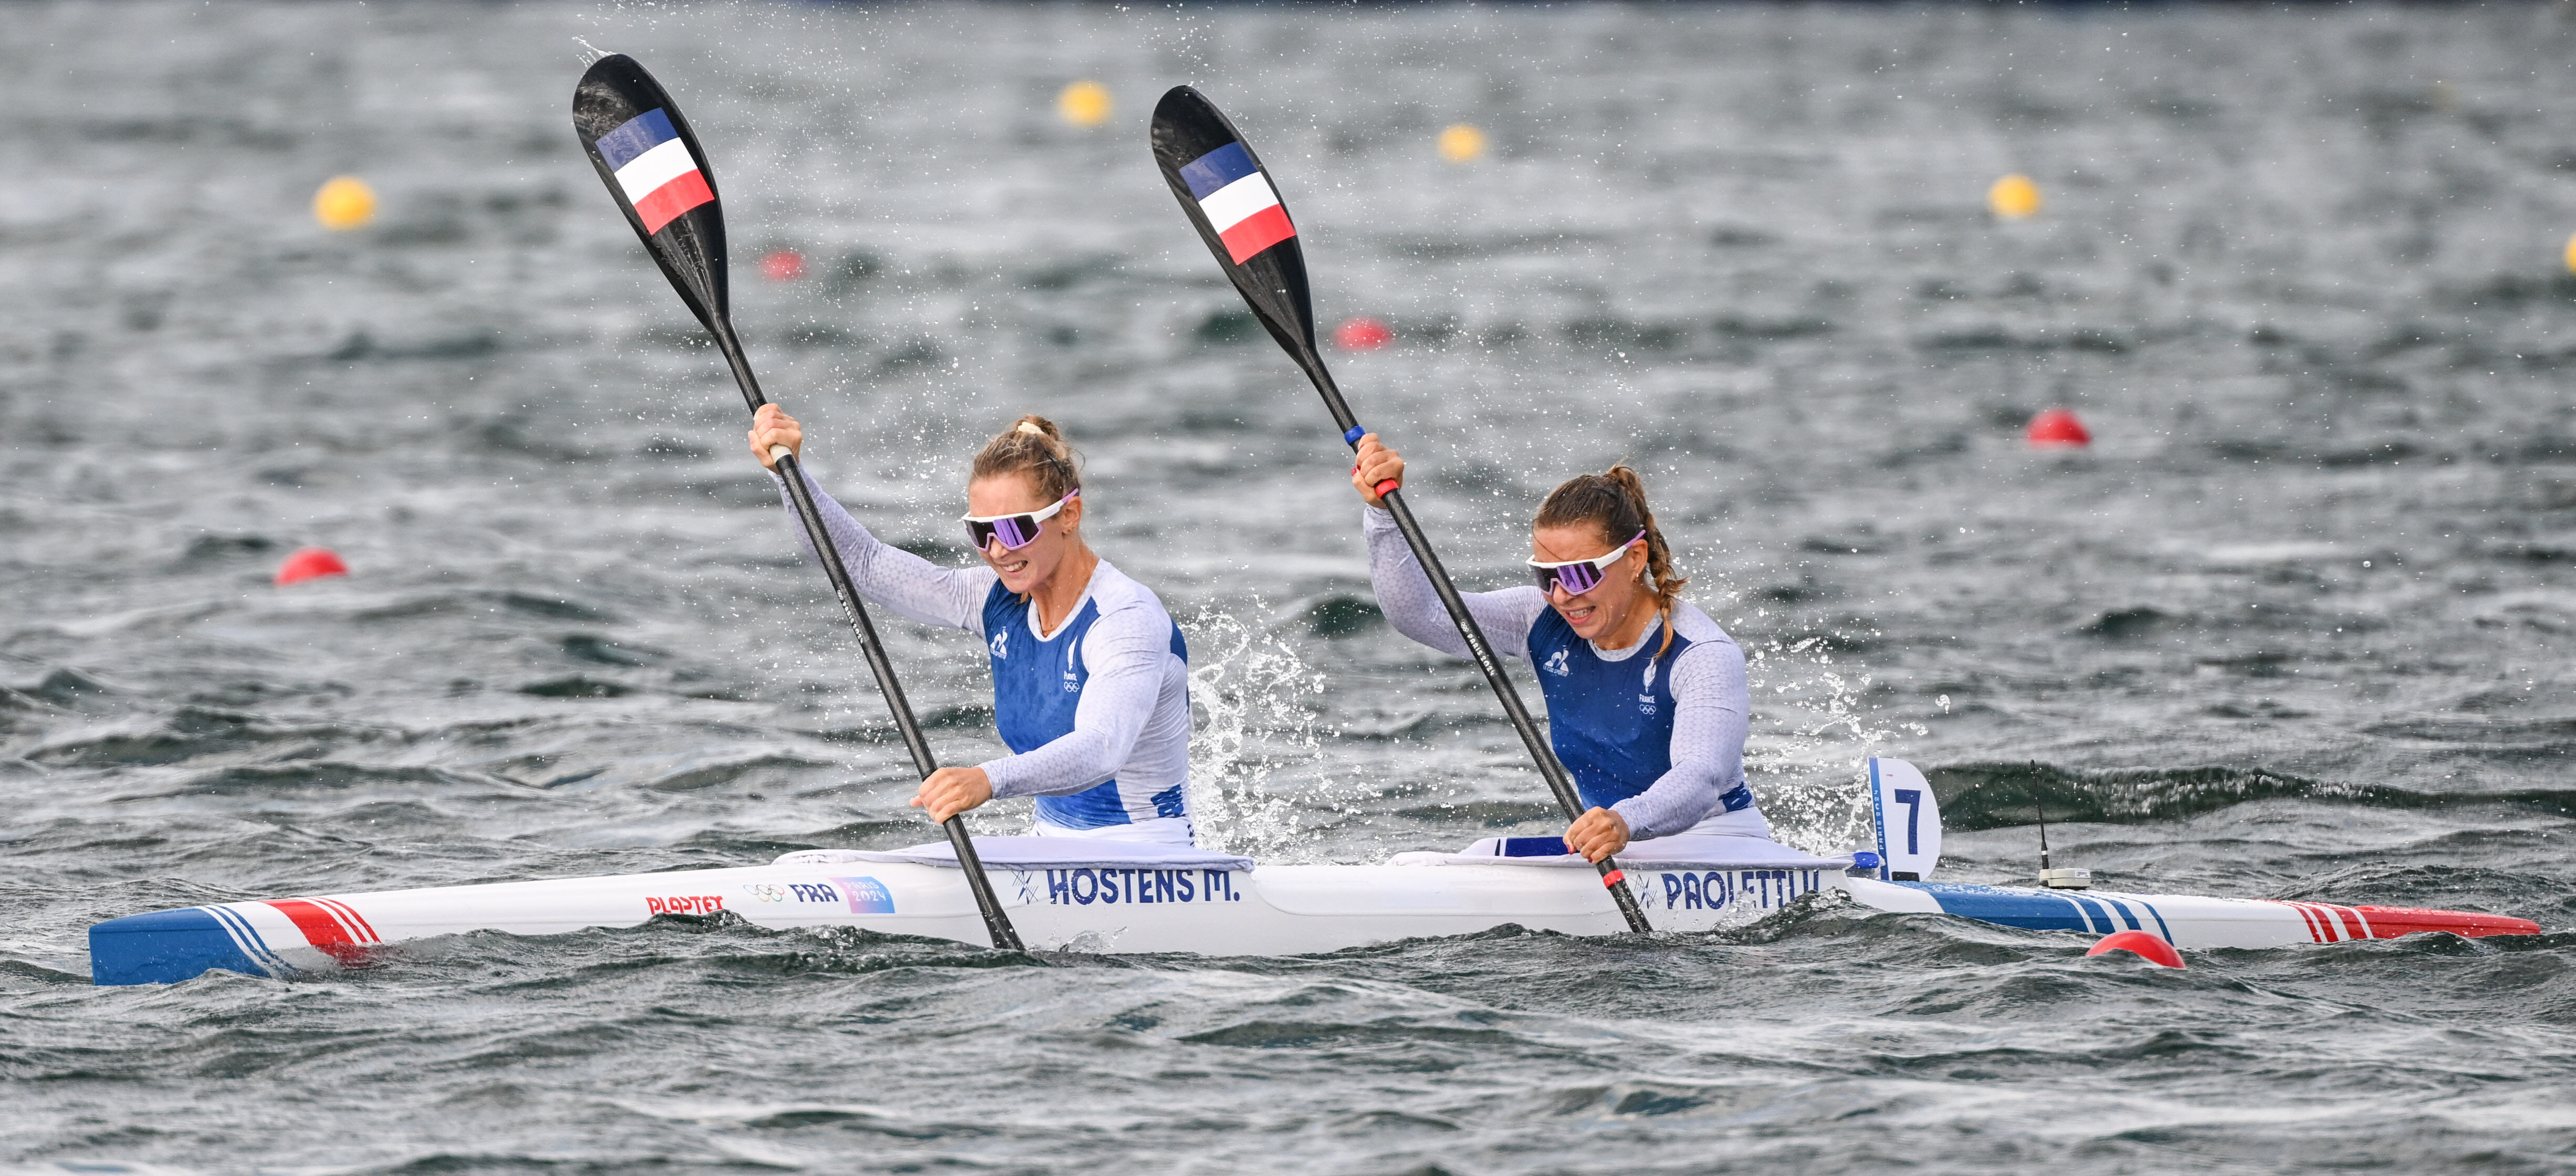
[1909,821]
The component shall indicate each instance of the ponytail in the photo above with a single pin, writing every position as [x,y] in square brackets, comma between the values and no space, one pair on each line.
[1033,446]
[1615,502]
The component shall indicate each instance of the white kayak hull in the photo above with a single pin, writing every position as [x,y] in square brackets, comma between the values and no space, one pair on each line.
[1273,910]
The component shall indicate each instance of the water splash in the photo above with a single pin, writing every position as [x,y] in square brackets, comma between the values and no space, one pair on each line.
[1812,735]
[1253,706]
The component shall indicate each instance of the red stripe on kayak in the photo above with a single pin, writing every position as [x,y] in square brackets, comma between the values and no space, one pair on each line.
[2354,927]
[320,928]
[349,915]
[2391,922]
[2326,920]
[2306,916]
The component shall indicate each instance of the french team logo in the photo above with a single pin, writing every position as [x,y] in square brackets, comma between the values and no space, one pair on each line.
[654,169]
[1002,645]
[1238,200]
[1556,664]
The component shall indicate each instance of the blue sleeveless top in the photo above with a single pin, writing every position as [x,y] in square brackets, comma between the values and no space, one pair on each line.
[1036,686]
[1611,722]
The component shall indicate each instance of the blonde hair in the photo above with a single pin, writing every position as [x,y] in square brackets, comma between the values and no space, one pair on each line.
[1033,446]
[1614,500]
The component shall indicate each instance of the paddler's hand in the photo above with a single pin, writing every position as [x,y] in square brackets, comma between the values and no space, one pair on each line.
[1597,834]
[772,426]
[1376,464]
[950,791]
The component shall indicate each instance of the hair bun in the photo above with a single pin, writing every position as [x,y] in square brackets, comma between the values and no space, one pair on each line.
[1035,446]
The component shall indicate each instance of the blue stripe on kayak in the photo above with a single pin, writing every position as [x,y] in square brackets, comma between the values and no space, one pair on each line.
[165,947]
[2025,909]
[247,937]
[2040,910]
[2161,929]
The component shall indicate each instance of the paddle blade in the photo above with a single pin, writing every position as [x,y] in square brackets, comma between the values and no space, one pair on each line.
[659,176]
[1230,198]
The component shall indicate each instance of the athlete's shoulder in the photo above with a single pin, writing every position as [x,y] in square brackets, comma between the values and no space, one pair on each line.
[1116,592]
[1697,626]
[1000,601]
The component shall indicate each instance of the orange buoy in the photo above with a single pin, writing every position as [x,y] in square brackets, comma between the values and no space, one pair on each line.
[2013,197]
[2141,944]
[1362,334]
[344,202]
[782,265]
[310,563]
[2057,426]
[1461,143]
[1084,104]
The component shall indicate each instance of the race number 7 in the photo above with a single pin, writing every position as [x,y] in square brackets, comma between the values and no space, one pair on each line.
[1912,799]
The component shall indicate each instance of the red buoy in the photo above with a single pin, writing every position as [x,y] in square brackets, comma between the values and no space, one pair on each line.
[2144,945]
[310,563]
[1362,334]
[2057,426]
[782,265]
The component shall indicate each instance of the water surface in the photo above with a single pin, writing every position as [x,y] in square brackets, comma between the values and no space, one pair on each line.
[2294,626]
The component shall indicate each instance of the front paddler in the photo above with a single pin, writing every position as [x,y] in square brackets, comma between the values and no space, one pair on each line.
[1090,675]
[1647,705]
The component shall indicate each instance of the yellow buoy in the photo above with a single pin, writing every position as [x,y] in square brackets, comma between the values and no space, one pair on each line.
[2571,254]
[1084,104]
[345,202]
[2014,197]
[1461,143]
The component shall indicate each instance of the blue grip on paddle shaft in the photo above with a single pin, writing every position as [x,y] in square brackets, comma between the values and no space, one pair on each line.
[1352,438]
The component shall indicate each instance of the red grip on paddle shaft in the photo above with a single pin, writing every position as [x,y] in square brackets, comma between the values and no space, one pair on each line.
[1382,487]
[1613,878]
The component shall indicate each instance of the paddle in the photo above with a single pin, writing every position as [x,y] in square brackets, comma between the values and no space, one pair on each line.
[1219,181]
[654,168]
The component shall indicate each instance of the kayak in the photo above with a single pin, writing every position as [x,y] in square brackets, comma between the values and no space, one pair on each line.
[1069,894]
[1086,896]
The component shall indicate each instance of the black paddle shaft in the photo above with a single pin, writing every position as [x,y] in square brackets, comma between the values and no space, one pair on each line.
[690,248]
[1187,127]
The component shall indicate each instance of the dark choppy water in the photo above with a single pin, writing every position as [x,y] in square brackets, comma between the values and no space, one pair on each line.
[2296,626]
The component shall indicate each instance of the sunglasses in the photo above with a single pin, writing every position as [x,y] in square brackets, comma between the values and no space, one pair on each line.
[1578,576]
[1016,530]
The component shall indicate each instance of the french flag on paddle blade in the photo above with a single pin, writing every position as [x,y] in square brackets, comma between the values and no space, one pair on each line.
[660,177]
[1238,201]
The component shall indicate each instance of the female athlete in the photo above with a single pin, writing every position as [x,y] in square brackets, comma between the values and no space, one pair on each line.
[1090,676]
[1646,699]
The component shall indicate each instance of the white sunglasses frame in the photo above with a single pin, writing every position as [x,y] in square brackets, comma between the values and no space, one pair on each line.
[1035,517]
[1600,565]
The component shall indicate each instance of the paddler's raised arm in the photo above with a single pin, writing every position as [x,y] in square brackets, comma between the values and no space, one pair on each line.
[914,588]
[1404,592]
